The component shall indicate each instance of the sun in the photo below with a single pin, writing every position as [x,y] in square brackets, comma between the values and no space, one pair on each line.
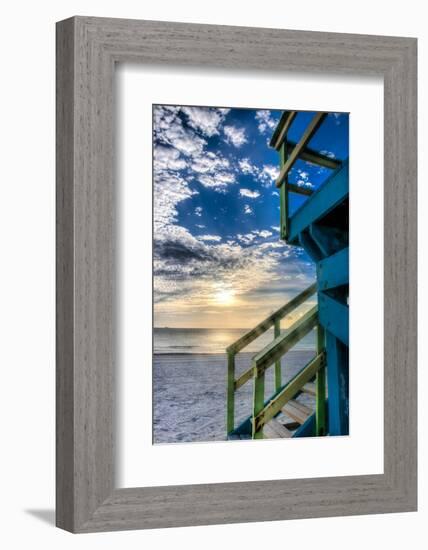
[224,296]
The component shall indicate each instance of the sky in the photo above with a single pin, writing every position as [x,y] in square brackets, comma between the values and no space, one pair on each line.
[218,261]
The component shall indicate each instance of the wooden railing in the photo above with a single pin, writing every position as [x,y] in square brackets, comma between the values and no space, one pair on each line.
[264,412]
[270,355]
[289,153]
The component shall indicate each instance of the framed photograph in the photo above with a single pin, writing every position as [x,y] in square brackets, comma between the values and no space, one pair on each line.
[236,274]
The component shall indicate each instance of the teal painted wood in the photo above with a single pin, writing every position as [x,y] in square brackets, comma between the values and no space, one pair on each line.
[328,196]
[338,385]
[283,194]
[310,246]
[334,270]
[329,239]
[307,429]
[334,316]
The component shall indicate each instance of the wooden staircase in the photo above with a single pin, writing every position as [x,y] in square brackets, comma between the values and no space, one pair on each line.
[281,415]
[320,226]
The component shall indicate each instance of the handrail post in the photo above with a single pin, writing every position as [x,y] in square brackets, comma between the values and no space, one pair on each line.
[283,193]
[258,401]
[230,414]
[320,407]
[277,332]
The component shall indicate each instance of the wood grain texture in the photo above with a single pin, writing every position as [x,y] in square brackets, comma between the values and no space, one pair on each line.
[87,49]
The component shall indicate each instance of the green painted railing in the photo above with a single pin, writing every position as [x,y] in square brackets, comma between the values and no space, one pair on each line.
[289,153]
[271,355]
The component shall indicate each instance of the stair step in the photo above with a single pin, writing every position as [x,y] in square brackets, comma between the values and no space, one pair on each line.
[275,429]
[310,388]
[297,411]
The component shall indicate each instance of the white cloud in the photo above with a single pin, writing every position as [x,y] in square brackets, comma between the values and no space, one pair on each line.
[249,194]
[235,135]
[328,153]
[249,238]
[275,193]
[167,158]
[275,228]
[169,190]
[186,266]
[218,181]
[206,119]
[303,179]
[268,174]
[264,233]
[265,121]
[209,163]
[215,238]
[246,239]
[246,167]
[169,129]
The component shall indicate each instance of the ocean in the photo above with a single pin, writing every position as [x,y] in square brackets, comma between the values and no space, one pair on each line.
[208,340]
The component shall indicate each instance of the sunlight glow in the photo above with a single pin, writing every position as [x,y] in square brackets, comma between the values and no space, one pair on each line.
[224,296]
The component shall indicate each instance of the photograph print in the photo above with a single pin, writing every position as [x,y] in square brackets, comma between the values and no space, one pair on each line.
[250,274]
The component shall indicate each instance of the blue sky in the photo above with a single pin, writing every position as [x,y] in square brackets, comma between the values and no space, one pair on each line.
[218,260]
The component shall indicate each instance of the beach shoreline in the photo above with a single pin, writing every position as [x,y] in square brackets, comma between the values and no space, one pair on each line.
[189,393]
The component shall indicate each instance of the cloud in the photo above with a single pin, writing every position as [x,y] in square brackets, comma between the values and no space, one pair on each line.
[275,227]
[210,162]
[169,130]
[169,190]
[205,119]
[264,233]
[268,174]
[235,135]
[167,158]
[252,236]
[218,181]
[246,167]
[265,121]
[187,267]
[211,169]
[328,154]
[303,179]
[246,239]
[249,194]
[215,238]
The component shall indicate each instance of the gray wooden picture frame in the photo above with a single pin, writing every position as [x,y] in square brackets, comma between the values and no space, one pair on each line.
[87,50]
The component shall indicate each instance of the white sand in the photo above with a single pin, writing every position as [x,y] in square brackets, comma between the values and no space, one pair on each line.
[189,393]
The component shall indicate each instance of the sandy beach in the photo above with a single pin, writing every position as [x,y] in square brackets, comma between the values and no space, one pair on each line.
[189,393]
